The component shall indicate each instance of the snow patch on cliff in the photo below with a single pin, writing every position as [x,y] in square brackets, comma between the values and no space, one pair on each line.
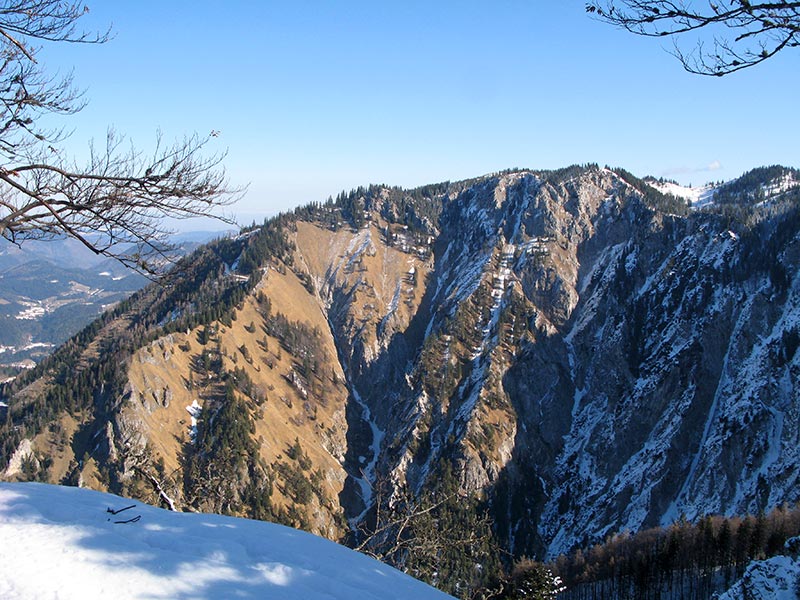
[773,579]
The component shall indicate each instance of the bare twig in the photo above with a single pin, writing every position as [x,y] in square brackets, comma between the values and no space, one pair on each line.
[742,33]
[115,204]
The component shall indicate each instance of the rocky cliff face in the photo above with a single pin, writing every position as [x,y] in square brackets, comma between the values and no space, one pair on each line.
[587,354]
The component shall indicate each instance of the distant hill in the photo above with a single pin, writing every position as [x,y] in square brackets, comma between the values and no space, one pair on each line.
[50,290]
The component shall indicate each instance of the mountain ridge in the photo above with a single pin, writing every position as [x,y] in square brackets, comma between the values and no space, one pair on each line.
[574,351]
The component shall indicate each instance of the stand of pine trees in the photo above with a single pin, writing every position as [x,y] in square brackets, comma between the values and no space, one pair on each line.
[685,561]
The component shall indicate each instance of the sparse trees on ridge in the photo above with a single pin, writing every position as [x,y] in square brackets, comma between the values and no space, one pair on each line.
[114,204]
[743,33]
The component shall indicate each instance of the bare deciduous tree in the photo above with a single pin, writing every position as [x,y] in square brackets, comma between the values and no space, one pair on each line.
[742,33]
[392,536]
[116,203]
[436,536]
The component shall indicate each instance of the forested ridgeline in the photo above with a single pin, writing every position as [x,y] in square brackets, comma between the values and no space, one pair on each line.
[685,561]
[88,374]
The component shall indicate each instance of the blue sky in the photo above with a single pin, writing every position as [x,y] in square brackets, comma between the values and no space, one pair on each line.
[312,97]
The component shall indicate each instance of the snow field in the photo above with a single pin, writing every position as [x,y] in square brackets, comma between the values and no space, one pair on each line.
[59,542]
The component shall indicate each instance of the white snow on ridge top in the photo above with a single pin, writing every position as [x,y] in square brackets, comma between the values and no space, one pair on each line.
[780,185]
[698,196]
[59,542]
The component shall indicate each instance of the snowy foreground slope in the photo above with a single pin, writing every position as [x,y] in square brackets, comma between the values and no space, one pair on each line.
[60,542]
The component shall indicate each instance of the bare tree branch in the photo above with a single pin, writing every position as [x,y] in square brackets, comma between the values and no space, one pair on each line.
[116,203]
[429,535]
[742,33]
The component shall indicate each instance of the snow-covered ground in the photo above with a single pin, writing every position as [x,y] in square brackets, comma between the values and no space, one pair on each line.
[698,196]
[194,410]
[772,579]
[60,542]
